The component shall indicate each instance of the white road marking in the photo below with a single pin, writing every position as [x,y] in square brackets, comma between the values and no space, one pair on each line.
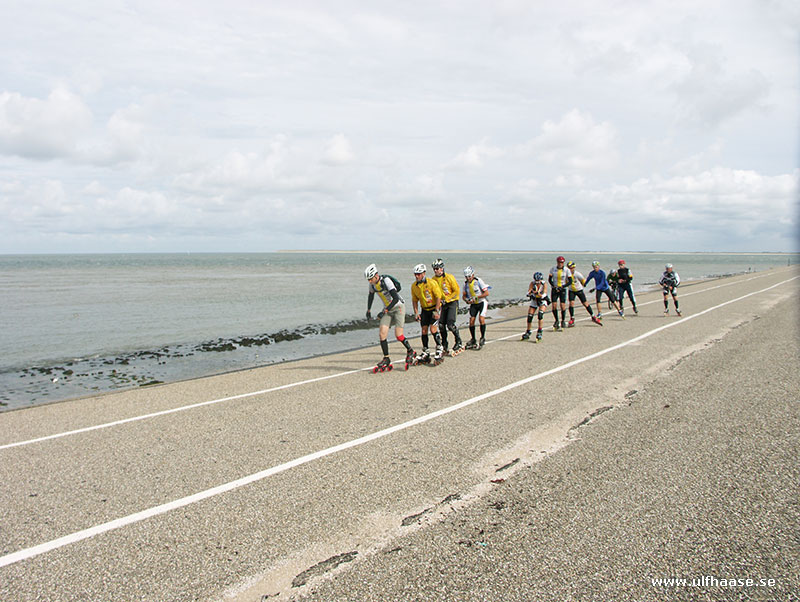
[263,391]
[28,553]
[180,409]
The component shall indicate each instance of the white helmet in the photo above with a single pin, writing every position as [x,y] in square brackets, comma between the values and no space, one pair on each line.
[371,271]
[668,266]
[420,268]
[469,271]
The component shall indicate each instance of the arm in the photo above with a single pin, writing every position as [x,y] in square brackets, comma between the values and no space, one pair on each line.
[592,276]
[395,299]
[454,283]
[370,298]
[439,295]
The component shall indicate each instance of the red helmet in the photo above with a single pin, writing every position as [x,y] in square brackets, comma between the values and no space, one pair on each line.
[560,258]
[621,262]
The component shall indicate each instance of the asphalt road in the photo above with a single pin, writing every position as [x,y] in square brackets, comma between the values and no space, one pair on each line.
[420,511]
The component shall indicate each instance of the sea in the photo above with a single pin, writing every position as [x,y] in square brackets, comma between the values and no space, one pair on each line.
[79,325]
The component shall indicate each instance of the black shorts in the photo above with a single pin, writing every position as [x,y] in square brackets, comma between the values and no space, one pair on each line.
[559,294]
[670,290]
[607,293]
[426,318]
[478,309]
[579,294]
[449,313]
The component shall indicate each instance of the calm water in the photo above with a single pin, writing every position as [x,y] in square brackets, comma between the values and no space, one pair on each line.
[78,324]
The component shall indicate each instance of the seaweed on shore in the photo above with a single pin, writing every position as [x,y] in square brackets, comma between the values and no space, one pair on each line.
[146,367]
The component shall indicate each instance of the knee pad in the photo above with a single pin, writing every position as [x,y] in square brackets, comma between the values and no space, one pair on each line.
[540,315]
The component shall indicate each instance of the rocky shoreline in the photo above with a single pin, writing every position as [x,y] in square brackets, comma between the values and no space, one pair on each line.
[66,379]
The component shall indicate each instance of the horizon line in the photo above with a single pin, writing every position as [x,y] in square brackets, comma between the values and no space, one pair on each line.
[398,251]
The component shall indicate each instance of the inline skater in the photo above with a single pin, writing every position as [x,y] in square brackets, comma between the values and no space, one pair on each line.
[576,291]
[560,279]
[669,283]
[613,284]
[602,288]
[426,299]
[537,293]
[624,277]
[392,314]
[447,319]
[475,294]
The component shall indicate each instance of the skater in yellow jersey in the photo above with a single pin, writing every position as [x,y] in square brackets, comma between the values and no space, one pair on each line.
[426,299]
[560,279]
[576,291]
[449,314]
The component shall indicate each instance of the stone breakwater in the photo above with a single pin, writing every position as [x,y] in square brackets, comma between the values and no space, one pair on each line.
[77,377]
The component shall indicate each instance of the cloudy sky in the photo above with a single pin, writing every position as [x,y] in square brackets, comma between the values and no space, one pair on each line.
[514,124]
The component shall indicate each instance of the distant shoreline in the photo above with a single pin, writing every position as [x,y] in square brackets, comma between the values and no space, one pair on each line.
[397,252]
[473,252]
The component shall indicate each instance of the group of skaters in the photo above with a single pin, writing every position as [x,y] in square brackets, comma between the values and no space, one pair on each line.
[435,304]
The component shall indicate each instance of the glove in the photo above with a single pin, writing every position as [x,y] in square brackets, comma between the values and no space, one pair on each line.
[369,315]
[381,313]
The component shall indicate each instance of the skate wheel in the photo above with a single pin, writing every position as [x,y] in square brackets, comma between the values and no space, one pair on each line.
[389,367]
[375,370]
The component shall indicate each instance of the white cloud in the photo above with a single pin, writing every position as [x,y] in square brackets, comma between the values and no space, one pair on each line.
[709,95]
[577,142]
[320,118]
[42,129]
[475,156]
[722,204]
[339,151]
[569,181]
[274,168]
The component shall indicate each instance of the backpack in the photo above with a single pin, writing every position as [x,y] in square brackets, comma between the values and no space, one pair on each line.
[394,280]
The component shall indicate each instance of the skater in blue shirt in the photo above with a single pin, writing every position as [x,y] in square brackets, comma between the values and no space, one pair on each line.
[602,288]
